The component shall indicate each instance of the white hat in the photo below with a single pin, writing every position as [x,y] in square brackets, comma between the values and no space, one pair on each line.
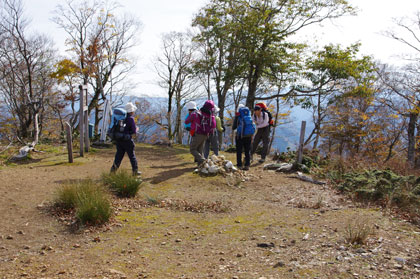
[191,105]
[216,109]
[240,106]
[130,107]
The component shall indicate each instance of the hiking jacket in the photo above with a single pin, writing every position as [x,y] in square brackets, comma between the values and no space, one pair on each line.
[262,121]
[130,126]
[219,124]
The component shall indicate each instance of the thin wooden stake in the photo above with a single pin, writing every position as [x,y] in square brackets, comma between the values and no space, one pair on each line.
[302,138]
[69,142]
[81,120]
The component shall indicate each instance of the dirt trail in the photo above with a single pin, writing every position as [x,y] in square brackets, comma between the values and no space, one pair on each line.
[276,227]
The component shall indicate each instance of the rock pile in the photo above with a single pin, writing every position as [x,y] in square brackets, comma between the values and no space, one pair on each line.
[216,165]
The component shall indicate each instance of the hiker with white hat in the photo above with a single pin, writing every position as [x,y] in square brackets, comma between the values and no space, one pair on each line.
[191,107]
[126,144]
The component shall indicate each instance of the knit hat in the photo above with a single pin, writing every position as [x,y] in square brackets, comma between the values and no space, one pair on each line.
[216,109]
[130,107]
[240,106]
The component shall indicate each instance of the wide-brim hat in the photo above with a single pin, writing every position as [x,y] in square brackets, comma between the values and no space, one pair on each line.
[191,105]
[130,107]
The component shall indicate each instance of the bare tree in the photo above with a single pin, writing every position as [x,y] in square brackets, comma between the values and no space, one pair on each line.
[100,42]
[25,65]
[406,83]
[174,68]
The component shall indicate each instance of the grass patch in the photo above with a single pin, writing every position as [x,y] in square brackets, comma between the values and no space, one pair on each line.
[89,199]
[358,230]
[122,183]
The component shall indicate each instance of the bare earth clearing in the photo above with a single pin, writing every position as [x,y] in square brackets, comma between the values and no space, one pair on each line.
[270,230]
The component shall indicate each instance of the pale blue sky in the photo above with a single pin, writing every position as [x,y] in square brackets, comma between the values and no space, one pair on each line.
[159,16]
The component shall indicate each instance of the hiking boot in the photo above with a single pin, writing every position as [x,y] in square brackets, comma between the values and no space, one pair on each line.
[246,168]
[136,173]
[261,161]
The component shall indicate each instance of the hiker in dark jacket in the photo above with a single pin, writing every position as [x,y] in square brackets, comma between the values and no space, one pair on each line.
[243,143]
[126,144]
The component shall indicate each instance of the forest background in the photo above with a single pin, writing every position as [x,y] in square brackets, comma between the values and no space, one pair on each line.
[234,52]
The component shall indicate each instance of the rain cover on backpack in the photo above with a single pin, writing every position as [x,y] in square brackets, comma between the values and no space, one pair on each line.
[206,121]
[117,125]
[246,126]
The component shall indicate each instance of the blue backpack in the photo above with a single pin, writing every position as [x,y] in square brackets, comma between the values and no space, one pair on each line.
[246,126]
[117,125]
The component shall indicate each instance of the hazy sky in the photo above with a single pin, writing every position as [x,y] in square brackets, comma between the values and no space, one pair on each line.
[160,16]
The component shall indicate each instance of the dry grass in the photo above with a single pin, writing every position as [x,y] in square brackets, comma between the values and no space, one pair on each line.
[358,230]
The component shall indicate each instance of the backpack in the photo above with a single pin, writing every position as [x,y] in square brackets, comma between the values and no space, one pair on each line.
[117,125]
[205,116]
[246,126]
[265,109]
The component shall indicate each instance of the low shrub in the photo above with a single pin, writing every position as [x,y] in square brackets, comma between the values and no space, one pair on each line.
[383,185]
[88,199]
[122,183]
[93,207]
[66,196]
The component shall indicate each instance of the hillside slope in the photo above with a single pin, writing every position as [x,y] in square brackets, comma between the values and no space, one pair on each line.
[271,226]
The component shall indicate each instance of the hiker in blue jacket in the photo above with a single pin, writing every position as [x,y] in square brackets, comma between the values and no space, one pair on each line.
[245,129]
[126,144]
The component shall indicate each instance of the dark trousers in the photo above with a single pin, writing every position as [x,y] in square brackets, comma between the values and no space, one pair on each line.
[243,143]
[122,148]
[263,134]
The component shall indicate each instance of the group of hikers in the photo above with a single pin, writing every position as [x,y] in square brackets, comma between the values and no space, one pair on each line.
[206,131]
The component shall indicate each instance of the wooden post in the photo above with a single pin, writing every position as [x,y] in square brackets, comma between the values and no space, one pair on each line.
[69,142]
[81,120]
[105,120]
[86,113]
[301,140]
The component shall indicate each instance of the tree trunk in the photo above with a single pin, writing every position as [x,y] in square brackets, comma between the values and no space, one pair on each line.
[411,138]
[178,126]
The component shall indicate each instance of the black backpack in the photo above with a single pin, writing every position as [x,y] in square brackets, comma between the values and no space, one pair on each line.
[117,125]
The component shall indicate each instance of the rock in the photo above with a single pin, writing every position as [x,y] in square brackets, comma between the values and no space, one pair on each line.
[239,255]
[20,232]
[265,245]
[341,248]
[400,260]
[76,245]
[213,169]
[9,237]
[26,247]
[61,272]
[306,237]
[116,272]
[279,264]
[398,266]
[178,240]
[361,251]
